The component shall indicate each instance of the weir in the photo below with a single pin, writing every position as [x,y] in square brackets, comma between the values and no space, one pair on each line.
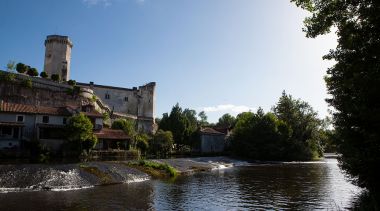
[34,177]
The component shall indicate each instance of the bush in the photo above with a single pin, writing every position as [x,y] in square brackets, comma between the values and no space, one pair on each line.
[21,68]
[160,166]
[43,74]
[32,72]
[55,77]
[7,77]
[162,143]
[72,82]
[27,83]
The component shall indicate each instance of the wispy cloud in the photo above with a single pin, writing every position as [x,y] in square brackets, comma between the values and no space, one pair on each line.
[105,3]
[227,108]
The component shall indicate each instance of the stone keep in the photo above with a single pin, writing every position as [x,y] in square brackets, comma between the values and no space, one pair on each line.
[57,56]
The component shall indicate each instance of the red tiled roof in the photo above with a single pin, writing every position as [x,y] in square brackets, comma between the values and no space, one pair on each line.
[208,130]
[106,133]
[32,109]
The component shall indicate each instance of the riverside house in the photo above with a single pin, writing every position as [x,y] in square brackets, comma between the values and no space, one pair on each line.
[21,122]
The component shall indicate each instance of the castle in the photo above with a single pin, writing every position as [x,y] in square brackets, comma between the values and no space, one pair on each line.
[135,103]
[39,111]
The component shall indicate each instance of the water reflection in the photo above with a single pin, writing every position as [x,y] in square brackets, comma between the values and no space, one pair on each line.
[294,186]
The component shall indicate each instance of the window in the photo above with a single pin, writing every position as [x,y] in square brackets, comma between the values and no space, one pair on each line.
[126,99]
[45,119]
[107,96]
[6,131]
[20,118]
[64,121]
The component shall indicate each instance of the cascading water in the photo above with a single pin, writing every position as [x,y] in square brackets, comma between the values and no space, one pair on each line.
[14,178]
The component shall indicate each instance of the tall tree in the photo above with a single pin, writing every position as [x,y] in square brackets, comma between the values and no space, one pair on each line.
[227,120]
[353,82]
[305,126]
[202,118]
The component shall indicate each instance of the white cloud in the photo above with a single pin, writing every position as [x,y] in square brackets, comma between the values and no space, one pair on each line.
[105,3]
[227,108]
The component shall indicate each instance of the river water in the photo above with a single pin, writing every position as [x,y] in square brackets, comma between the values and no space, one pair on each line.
[292,186]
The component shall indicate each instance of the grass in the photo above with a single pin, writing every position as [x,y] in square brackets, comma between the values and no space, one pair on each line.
[104,178]
[154,168]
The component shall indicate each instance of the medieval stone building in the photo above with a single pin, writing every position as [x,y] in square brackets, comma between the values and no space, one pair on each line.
[134,103]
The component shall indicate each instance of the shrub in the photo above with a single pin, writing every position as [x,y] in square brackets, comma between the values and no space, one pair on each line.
[72,82]
[32,72]
[27,83]
[21,68]
[7,77]
[55,77]
[43,74]
[162,143]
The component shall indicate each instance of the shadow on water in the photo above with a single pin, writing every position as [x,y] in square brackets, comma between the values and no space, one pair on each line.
[293,186]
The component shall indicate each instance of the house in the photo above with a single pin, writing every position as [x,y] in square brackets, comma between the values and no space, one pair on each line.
[211,141]
[21,122]
[111,139]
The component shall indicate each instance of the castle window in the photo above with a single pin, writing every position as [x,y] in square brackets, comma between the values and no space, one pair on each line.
[126,99]
[20,118]
[107,96]
[45,119]
[64,121]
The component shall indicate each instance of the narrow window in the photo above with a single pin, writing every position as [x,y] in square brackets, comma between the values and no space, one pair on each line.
[107,96]
[45,119]
[20,118]
[64,121]
[126,99]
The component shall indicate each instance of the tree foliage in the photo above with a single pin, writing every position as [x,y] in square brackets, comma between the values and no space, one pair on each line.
[162,143]
[44,74]
[202,118]
[182,124]
[55,77]
[227,120]
[291,132]
[80,130]
[353,82]
[127,125]
[21,68]
[32,72]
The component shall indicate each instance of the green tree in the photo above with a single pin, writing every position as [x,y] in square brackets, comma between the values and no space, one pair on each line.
[227,120]
[55,77]
[79,130]
[32,72]
[44,74]
[261,136]
[162,143]
[127,125]
[353,82]
[202,118]
[305,126]
[182,124]
[21,68]
[142,143]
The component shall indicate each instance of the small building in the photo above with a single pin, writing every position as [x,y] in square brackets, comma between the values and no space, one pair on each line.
[109,139]
[211,141]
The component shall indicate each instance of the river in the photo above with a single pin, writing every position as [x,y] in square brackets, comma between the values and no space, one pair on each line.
[292,186]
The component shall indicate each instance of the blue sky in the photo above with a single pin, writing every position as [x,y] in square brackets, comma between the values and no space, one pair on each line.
[221,56]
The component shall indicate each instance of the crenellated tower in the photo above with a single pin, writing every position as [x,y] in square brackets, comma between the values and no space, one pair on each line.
[57,56]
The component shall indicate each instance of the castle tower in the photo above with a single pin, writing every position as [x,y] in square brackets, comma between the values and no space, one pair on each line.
[57,56]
